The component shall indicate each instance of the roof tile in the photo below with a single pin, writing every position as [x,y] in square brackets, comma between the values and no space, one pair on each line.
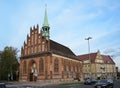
[106,58]
[86,56]
[61,50]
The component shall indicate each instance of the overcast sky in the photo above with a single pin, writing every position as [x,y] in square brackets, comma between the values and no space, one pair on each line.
[71,21]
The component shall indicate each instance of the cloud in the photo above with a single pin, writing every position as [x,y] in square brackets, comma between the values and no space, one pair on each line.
[114,53]
[110,50]
[117,61]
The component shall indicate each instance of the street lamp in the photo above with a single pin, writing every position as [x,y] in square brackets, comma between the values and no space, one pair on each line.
[89,54]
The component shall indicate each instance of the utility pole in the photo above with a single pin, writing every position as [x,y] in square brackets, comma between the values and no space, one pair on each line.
[90,73]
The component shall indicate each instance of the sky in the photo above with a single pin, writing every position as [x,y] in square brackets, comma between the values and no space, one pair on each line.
[71,21]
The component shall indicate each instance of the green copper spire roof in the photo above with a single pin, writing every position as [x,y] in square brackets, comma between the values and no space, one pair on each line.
[45,18]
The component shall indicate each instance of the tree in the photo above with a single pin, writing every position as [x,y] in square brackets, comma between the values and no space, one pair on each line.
[9,63]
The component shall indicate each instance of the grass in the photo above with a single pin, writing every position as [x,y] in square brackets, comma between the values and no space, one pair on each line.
[72,83]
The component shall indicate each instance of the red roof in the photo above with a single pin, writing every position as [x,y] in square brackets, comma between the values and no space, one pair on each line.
[86,56]
[60,49]
[106,58]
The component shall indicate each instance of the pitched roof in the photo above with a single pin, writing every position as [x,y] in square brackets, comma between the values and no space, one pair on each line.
[61,50]
[107,59]
[86,57]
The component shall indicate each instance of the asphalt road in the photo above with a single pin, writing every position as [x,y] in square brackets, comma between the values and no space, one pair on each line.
[116,85]
[53,86]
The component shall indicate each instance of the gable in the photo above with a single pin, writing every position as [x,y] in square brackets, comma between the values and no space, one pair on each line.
[35,43]
[99,58]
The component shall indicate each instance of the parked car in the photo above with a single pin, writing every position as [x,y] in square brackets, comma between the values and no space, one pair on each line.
[104,83]
[90,81]
[2,85]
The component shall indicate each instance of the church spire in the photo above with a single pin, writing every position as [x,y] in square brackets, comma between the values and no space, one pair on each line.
[45,27]
[45,18]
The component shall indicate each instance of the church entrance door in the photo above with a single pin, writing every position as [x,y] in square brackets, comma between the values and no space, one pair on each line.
[32,69]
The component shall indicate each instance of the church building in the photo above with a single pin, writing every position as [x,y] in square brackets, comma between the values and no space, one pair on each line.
[47,59]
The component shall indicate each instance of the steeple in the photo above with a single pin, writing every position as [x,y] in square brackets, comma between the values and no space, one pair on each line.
[45,17]
[45,27]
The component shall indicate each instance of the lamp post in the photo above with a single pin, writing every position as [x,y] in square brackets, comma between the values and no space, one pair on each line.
[89,54]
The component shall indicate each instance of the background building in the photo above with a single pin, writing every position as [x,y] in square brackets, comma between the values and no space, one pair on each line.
[47,58]
[118,72]
[102,66]
[0,63]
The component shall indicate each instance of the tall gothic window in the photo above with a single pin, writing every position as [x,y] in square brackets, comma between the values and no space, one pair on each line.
[56,65]
[69,67]
[74,68]
[24,67]
[64,67]
[41,65]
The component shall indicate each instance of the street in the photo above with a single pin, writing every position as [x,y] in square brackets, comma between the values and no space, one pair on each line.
[14,85]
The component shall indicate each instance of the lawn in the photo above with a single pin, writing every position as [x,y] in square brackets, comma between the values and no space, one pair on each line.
[72,83]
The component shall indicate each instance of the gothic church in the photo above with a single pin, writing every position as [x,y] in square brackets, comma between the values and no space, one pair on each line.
[48,58]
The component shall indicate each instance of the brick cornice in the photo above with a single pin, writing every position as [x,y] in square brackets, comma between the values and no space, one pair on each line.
[35,55]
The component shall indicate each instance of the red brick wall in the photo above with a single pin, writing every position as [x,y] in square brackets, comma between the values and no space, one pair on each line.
[36,43]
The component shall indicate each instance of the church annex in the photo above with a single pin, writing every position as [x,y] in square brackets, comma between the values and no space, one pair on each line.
[47,58]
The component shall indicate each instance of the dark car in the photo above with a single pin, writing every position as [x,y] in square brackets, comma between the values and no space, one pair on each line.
[104,83]
[90,81]
[2,85]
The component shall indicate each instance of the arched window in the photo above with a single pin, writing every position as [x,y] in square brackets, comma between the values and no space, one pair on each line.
[64,67]
[69,67]
[56,65]
[24,67]
[41,65]
[74,68]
